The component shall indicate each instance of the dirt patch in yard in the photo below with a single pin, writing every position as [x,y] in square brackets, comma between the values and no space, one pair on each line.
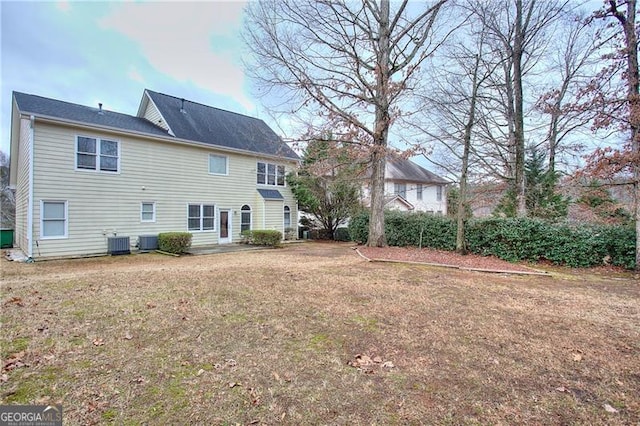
[314,334]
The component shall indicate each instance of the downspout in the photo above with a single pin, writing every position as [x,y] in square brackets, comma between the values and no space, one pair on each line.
[30,196]
[264,213]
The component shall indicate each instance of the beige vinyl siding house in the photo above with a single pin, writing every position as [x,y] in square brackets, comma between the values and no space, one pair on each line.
[410,187]
[93,182]
[22,175]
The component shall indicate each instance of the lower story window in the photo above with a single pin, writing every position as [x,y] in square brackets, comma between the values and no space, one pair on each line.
[53,219]
[287,217]
[148,212]
[201,217]
[245,218]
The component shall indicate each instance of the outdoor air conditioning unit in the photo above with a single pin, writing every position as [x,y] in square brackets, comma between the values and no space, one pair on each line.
[118,245]
[147,242]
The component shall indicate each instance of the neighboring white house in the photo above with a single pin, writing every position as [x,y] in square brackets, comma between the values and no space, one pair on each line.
[410,187]
[85,176]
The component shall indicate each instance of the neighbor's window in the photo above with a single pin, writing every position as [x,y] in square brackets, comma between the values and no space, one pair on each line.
[201,217]
[439,193]
[245,218]
[148,212]
[287,217]
[53,219]
[218,164]
[400,189]
[419,191]
[270,174]
[97,154]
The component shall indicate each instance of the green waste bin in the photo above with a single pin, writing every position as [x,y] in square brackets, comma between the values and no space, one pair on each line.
[6,238]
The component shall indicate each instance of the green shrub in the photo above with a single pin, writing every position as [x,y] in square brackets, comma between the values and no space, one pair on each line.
[342,234]
[174,242]
[510,239]
[359,227]
[620,245]
[266,237]
[245,236]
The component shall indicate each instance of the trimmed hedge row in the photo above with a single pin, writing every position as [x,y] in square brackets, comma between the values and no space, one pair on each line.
[510,239]
[174,242]
[262,237]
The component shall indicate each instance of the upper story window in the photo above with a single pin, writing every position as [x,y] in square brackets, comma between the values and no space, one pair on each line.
[419,191]
[97,154]
[270,174]
[218,164]
[439,192]
[400,189]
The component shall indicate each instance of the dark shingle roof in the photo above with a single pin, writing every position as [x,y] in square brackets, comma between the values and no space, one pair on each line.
[407,170]
[270,194]
[37,105]
[218,127]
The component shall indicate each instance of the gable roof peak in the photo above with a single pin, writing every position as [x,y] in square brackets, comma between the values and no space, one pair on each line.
[218,127]
[184,102]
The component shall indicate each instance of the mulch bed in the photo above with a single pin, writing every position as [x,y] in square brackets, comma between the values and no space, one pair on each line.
[441,257]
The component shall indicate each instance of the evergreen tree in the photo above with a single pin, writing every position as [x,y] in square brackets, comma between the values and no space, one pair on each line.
[327,184]
[542,199]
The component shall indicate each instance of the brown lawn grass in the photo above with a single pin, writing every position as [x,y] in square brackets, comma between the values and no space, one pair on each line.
[271,337]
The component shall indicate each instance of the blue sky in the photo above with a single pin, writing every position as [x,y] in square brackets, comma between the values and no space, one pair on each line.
[109,52]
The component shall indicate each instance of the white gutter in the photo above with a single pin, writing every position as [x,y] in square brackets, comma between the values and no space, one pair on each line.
[30,196]
[55,120]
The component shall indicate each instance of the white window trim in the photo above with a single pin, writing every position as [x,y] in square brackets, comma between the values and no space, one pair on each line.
[397,189]
[215,217]
[439,192]
[419,191]
[66,220]
[97,169]
[266,174]
[226,165]
[284,222]
[250,211]
[153,203]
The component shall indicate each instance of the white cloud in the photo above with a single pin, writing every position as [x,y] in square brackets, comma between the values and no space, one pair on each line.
[197,42]
[135,75]
[64,6]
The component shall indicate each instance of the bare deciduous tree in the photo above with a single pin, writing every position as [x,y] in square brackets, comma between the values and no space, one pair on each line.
[450,106]
[350,63]
[616,92]
[516,31]
[7,195]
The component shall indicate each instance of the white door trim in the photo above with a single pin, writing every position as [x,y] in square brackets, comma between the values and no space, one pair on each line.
[226,240]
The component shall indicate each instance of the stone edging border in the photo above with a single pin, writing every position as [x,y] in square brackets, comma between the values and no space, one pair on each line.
[462,268]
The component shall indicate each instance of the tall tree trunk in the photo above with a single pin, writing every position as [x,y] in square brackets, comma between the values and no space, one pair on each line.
[519,113]
[381,131]
[461,246]
[633,96]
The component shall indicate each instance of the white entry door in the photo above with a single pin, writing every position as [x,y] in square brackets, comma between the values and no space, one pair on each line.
[224,226]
